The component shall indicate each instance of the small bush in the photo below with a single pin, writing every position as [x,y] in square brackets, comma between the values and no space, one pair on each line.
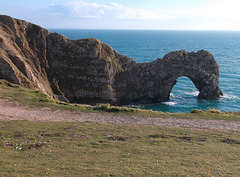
[109,108]
[102,107]
[214,111]
[196,111]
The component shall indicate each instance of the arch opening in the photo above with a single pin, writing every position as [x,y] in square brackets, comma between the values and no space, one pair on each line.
[183,91]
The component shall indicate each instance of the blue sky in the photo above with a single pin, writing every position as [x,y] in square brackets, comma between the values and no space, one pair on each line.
[127,14]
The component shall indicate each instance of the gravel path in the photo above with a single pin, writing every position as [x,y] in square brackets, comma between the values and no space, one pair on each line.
[14,111]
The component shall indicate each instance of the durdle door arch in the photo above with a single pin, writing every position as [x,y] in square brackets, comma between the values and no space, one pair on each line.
[153,82]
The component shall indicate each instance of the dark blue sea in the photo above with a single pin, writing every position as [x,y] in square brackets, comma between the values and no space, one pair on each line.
[146,46]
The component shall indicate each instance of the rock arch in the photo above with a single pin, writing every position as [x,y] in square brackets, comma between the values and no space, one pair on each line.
[153,82]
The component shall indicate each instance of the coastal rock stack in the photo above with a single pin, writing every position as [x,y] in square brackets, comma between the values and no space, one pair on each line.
[89,71]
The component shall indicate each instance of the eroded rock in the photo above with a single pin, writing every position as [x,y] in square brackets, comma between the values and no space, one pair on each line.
[153,82]
[89,71]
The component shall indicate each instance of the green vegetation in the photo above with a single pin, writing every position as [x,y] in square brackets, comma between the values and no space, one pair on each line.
[38,99]
[35,98]
[94,149]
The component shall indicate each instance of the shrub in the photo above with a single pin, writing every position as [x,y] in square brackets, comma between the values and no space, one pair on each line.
[109,108]
[214,111]
[196,111]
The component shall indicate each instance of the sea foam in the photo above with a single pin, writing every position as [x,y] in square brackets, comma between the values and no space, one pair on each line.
[169,103]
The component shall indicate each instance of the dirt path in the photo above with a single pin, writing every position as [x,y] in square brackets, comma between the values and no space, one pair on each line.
[14,111]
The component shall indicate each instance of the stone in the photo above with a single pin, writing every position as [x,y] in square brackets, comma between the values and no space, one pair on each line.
[89,71]
[201,68]
[23,54]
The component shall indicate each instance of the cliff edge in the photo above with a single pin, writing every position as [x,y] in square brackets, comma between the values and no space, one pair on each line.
[89,71]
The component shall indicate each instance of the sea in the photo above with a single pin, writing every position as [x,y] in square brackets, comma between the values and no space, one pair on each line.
[148,45]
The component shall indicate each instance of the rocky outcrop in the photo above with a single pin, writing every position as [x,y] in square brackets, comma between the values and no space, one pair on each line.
[89,71]
[84,70]
[153,82]
[23,54]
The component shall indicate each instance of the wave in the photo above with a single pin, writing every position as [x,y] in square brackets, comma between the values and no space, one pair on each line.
[169,103]
[172,96]
[192,93]
[230,97]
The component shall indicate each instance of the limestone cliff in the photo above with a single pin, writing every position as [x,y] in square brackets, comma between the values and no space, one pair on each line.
[153,82]
[84,70]
[23,54]
[89,71]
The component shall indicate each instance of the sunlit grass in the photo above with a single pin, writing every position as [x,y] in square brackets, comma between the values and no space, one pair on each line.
[36,98]
[94,149]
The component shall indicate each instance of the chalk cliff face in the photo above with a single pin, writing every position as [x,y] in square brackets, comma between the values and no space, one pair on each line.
[89,71]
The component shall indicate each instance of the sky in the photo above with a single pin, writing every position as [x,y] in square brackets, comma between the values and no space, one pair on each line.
[127,14]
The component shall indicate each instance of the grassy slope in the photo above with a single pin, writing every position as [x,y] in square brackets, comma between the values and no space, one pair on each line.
[94,149]
[37,99]
[91,149]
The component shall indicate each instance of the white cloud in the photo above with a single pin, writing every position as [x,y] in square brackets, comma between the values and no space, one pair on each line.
[82,9]
[217,9]
[212,15]
[214,10]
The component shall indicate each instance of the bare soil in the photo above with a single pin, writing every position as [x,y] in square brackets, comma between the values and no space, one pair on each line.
[15,111]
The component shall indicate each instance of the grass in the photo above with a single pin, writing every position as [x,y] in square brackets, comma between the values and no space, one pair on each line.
[94,149]
[38,99]
[35,98]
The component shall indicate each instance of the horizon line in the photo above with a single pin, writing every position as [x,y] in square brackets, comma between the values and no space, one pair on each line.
[145,29]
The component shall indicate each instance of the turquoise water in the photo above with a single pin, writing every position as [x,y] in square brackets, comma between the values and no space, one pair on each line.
[146,46]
